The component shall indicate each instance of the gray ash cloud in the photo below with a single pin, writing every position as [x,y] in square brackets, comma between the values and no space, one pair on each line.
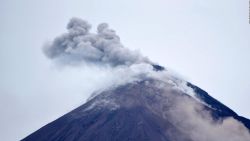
[79,45]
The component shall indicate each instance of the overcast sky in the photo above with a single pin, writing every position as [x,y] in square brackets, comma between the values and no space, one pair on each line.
[205,42]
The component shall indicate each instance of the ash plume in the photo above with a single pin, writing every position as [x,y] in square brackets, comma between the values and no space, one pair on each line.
[79,45]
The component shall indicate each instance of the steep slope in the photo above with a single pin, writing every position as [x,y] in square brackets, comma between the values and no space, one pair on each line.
[139,111]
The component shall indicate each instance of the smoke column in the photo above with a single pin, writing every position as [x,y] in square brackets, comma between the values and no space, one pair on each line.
[78,46]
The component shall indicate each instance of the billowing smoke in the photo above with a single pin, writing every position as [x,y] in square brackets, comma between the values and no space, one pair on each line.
[79,45]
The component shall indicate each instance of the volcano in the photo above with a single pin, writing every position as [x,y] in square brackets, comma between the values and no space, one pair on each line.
[148,110]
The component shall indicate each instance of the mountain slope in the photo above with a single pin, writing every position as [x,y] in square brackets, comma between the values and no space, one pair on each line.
[139,111]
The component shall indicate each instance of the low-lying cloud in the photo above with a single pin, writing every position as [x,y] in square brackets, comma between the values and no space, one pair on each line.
[199,125]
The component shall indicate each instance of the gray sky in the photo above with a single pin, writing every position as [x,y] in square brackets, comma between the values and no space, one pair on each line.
[206,42]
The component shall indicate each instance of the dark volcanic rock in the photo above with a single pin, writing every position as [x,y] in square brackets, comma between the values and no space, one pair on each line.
[134,112]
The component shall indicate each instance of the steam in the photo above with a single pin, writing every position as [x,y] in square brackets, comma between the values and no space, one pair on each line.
[78,46]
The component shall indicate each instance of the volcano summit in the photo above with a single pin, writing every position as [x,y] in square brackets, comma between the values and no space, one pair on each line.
[151,104]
